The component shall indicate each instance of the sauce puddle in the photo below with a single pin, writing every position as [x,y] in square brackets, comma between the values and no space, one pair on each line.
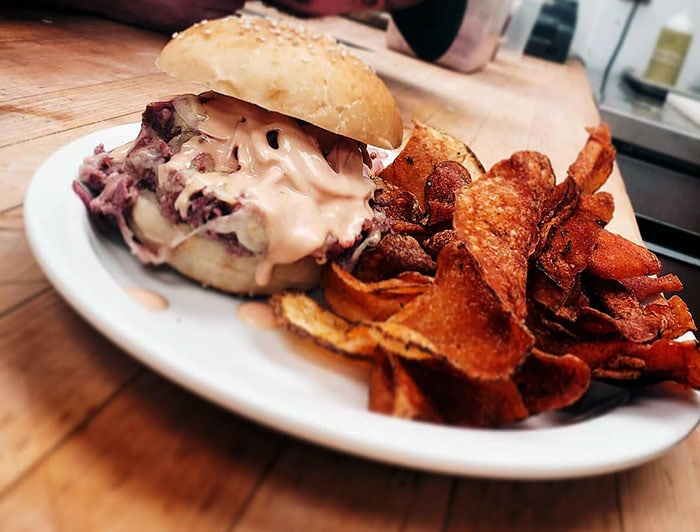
[148,298]
[257,314]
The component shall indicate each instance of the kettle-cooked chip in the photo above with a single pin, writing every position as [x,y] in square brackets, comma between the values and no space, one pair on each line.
[568,250]
[547,382]
[355,300]
[393,391]
[306,318]
[433,244]
[465,319]
[656,361]
[498,215]
[595,161]
[675,316]
[644,287]
[615,257]
[446,179]
[425,148]
[395,254]
[434,390]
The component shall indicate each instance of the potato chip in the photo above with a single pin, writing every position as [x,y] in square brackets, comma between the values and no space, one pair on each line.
[671,360]
[402,341]
[615,257]
[675,316]
[436,390]
[564,306]
[354,300]
[591,322]
[306,318]
[590,170]
[595,161]
[395,254]
[465,320]
[381,386]
[546,327]
[628,313]
[621,368]
[498,215]
[434,243]
[547,382]
[656,361]
[569,247]
[467,402]
[559,208]
[392,391]
[472,163]
[644,287]
[447,178]
[400,207]
[425,148]
[531,297]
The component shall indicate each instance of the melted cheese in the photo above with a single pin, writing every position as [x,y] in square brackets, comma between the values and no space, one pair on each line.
[291,201]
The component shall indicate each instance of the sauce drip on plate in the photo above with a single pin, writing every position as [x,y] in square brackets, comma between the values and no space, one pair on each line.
[257,314]
[148,298]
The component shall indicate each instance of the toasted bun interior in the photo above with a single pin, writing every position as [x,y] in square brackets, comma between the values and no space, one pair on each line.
[286,68]
[209,262]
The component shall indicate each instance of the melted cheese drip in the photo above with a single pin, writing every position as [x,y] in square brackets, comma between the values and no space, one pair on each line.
[292,201]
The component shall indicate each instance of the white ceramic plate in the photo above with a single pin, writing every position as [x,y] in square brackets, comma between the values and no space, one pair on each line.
[265,375]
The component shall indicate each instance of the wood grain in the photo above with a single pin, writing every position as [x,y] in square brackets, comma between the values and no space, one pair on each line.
[20,276]
[158,458]
[54,372]
[99,52]
[18,162]
[497,506]
[346,494]
[33,117]
[662,495]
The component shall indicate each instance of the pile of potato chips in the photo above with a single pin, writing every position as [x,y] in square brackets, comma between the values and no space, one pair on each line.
[493,296]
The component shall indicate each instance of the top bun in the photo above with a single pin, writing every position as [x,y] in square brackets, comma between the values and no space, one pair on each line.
[286,68]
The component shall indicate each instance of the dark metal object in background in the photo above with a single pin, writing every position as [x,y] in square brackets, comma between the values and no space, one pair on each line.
[431,27]
[554,30]
[667,205]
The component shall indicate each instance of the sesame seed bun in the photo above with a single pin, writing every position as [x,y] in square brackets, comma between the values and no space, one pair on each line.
[286,68]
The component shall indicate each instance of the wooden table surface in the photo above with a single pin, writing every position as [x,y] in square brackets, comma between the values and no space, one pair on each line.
[90,439]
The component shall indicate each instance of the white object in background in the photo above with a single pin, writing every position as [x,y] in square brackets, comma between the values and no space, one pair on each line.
[688,107]
[476,40]
[522,21]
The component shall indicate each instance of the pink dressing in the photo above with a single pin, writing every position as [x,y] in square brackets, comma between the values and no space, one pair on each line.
[292,202]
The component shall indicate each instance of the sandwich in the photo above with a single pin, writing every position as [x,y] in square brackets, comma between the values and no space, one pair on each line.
[251,185]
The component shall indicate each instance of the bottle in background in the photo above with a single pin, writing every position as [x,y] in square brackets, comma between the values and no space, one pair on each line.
[670,50]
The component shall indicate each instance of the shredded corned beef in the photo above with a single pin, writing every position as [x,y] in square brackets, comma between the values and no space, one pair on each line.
[109,187]
[109,184]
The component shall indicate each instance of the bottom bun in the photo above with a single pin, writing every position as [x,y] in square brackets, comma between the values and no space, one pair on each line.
[208,261]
